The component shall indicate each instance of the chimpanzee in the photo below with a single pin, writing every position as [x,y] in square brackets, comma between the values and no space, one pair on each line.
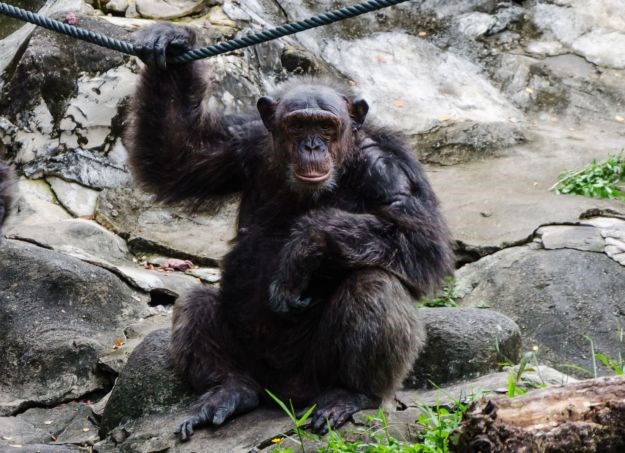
[6,192]
[339,233]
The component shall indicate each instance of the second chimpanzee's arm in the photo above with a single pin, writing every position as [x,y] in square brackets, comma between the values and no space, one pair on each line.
[404,234]
[6,191]
[179,148]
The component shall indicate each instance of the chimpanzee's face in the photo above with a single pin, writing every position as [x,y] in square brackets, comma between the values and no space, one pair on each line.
[313,132]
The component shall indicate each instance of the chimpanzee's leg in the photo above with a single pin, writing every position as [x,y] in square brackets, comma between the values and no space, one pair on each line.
[204,352]
[373,323]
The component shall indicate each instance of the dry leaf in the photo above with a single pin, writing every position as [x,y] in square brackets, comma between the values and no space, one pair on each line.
[118,343]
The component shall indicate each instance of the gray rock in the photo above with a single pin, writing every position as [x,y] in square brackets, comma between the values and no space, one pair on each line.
[506,15]
[115,359]
[58,315]
[147,385]
[594,29]
[463,344]
[168,9]
[117,6]
[47,448]
[36,204]
[603,48]
[453,143]
[612,230]
[207,274]
[154,229]
[615,249]
[70,423]
[491,383]
[14,34]
[496,203]
[584,238]
[79,238]
[475,24]
[81,166]
[90,116]
[452,87]
[52,80]
[88,241]
[559,299]
[80,201]
[545,48]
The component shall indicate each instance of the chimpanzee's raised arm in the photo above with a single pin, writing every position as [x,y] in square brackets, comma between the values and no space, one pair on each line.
[6,192]
[180,149]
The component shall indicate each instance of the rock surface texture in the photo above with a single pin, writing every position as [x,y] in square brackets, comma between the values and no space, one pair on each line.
[497,99]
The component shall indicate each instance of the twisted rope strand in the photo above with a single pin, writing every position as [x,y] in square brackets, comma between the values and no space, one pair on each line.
[205,52]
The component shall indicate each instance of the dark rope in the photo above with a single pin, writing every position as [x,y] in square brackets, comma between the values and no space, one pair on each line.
[205,52]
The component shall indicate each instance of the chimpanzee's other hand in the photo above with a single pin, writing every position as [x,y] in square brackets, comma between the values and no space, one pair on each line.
[156,43]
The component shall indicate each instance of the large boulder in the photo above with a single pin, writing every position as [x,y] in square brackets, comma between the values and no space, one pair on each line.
[57,316]
[463,343]
[561,298]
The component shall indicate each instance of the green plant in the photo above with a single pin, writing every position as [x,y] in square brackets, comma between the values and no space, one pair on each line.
[615,366]
[437,427]
[440,424]
[516,372]
[447,296]
[297,422]
[601,180]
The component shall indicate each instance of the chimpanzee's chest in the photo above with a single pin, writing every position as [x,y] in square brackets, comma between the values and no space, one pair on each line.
[265,226]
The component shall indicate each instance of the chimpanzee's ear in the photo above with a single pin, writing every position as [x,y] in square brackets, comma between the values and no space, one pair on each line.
[358,111]
[267,109]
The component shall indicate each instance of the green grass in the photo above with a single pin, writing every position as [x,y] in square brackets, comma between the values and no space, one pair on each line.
[528,362]
[436,426]
[298,422]
[614,366]
[605,179]
[446,297]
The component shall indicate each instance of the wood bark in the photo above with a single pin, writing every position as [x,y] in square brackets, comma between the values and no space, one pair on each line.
[587,416]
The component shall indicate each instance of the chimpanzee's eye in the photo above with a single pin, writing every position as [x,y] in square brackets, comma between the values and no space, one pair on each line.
[326,128]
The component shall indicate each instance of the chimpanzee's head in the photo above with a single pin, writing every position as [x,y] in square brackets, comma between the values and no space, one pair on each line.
[313,130]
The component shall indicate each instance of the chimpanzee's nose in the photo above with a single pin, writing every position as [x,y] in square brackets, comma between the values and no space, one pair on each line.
[313,144]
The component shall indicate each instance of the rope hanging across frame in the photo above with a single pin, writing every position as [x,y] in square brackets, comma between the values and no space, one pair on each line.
[205,52]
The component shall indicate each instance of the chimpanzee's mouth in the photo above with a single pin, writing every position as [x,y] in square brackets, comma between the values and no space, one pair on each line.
[313,178]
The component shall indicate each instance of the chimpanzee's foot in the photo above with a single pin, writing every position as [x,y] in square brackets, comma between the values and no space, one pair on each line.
[336,407]
[216,405]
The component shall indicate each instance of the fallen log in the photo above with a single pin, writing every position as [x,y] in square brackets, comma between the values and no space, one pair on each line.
[586,416]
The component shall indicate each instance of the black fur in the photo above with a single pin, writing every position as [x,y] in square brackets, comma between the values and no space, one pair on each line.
[317,301]
[6,192]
